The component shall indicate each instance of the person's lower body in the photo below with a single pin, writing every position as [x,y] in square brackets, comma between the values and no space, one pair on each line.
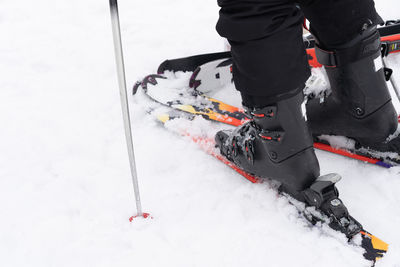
[270,68]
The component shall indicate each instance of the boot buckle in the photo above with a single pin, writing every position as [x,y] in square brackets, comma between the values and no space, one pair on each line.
[275,136]
[267,112]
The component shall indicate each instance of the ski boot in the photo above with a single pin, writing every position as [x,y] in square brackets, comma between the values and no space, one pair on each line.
[360,105]
[277,144]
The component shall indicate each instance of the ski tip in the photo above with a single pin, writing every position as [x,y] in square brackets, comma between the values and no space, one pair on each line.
[193,82]
[143,215]
[374,247]
[165,65]
[149,79]
[163,118]
[136,87]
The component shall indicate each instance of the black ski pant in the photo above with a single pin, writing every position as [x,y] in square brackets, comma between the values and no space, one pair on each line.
[270,62]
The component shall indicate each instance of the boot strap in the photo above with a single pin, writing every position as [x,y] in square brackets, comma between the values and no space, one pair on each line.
[344,56]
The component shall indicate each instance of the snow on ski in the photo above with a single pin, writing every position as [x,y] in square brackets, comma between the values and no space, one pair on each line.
[374,247]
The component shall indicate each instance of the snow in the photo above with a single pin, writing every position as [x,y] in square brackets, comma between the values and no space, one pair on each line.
[65,189]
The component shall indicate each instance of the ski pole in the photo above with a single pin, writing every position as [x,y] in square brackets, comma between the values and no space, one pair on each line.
[385,53]
[119,58]
[392,81]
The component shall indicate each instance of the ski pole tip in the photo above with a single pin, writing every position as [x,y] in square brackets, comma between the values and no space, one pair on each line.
[144,215]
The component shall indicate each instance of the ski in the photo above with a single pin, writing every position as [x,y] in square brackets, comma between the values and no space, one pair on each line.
[195,103]
[390,37]
[191,102]
[374,247]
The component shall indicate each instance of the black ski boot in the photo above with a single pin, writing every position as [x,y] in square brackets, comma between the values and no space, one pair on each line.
[277,144]
[360,105]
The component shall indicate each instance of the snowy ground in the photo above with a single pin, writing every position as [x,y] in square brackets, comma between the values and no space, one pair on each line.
[65,188]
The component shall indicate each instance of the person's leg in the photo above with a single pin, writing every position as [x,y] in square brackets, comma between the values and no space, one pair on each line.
[336,22]
[270,68]
[269,59]
[349,46]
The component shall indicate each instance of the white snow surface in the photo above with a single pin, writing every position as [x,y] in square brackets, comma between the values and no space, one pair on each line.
[65,188]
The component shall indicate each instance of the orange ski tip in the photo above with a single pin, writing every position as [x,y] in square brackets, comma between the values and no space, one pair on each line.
[377,244]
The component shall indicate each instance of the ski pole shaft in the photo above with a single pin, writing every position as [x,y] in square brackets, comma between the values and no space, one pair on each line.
[119,57]
[392,81]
